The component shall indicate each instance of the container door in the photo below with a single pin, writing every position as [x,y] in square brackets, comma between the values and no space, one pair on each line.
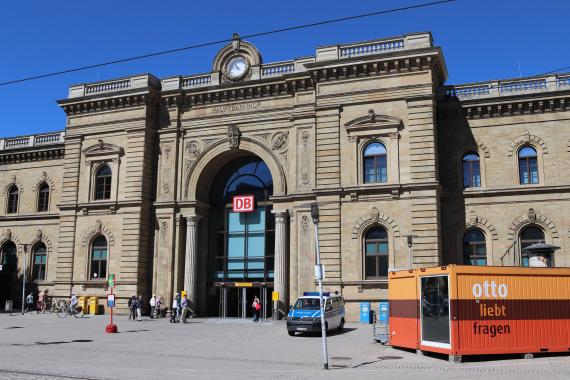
[435,322]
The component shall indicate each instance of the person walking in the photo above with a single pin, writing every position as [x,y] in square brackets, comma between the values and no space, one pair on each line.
[179,308]
[256,308]
[174,310]
[185,309]
[41,302]
[157,307]
[29,302]
[139,306]
[73,304]
[132,306]
[152,304]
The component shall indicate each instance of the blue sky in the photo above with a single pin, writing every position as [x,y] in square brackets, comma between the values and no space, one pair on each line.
[481,40]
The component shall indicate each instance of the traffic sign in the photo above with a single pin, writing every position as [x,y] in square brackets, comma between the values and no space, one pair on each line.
[110,300]
[111,281]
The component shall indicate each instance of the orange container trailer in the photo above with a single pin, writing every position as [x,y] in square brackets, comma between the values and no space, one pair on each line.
[473,310]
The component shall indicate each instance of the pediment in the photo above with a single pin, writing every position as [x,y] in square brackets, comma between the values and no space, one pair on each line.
[103,149]
[373,123]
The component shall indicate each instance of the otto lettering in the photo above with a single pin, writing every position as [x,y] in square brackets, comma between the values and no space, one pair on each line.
[490,290]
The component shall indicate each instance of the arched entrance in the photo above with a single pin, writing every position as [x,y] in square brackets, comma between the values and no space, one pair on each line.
[9,262]
[240,244]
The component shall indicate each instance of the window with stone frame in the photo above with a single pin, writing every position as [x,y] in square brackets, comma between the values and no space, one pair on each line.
[375,163]
[376,253]
[103,179]
[528,166]
[43,197]
[13,199]
[528,236]
[39,262]
[99,255]
[471,170]
[474,248]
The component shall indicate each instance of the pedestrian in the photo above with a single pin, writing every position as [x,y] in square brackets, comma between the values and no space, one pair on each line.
[132,306]
[152,304]
[139,306]
[185,309]
[41,302]
[158,311]
[73,304]
[29,302]
[256,308]
[174,310]
[179,308]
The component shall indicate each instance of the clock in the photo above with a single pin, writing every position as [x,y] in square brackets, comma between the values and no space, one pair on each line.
[237,67]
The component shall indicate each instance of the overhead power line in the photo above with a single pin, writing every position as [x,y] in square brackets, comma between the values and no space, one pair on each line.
[196,46]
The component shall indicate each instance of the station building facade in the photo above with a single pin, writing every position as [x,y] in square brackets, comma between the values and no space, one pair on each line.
[409,171]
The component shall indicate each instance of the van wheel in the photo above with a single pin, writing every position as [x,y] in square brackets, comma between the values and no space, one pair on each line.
[291,333]
[341,326]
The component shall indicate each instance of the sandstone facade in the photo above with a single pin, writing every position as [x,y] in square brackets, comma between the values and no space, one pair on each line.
[309,121]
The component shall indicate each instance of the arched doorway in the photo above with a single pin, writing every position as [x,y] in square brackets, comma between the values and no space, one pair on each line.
[9,262]
[240,244]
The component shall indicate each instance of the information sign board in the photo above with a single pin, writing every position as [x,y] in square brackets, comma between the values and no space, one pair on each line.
[243,203]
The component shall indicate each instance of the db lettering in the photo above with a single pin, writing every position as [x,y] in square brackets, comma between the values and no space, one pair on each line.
[490,290]
[243,203]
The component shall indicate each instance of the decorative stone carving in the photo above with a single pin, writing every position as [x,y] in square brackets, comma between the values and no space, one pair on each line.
[193,150]
[305,137]
[374,217]
[164,230]
[39,235]
[371,115]
[531,215]
[97,229]
[166,149]
[305,223]
[8,234]
[165,188]
[279,141]
[527,139]
[14,181]
[234,136]
[474,220]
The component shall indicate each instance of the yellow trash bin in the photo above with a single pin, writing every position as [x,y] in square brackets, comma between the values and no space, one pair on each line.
[83,304]
[94,305]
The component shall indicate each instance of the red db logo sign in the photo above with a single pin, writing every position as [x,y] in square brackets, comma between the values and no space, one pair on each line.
[243,203]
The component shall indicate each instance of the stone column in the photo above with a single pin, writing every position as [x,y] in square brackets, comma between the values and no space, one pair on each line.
[190,260]
[281,269]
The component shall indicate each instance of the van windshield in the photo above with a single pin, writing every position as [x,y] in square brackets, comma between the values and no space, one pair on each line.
[307,303]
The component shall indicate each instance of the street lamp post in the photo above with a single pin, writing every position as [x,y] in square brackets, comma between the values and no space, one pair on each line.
[25,246]
[319,272]
[410,239]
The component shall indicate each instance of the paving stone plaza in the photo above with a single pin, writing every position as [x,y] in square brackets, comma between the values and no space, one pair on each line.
[47,347]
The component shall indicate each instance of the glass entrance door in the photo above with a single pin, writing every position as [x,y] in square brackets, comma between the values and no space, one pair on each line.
[235,302]
[434,308]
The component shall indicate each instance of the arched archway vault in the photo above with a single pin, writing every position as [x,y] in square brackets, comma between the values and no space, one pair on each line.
[200,174]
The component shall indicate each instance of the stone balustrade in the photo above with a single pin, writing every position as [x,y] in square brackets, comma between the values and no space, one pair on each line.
[116,85]
[197,81]
[276,69]
[32,141]
[371,48]
[509,87]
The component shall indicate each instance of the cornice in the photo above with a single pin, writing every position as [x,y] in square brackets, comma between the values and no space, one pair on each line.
[36,154]
[118,100]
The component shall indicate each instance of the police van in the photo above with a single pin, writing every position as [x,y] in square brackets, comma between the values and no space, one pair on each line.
[305,314]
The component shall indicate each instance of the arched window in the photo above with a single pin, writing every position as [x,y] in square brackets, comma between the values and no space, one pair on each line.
[529,235]
[375,164]
[474,248]
[99,258]
[13,199]
[471,170]
[103,183]
[528,166]
[8,257]
[39,255]
[376,253]
[43,197]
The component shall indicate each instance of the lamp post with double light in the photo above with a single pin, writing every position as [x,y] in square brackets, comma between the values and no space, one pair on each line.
[319,275]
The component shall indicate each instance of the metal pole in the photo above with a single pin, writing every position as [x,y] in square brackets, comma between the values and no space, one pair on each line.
[314,211]
[24,280]
[410,258]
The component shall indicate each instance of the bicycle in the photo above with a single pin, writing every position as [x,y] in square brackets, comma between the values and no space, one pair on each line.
[64,310]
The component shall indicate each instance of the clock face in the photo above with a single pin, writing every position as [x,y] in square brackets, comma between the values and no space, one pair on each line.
[237,67]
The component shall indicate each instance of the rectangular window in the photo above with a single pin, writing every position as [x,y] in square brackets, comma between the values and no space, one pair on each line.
[246,245]
[39,270]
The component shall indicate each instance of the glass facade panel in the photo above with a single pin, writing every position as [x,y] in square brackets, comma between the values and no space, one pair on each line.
[435,309]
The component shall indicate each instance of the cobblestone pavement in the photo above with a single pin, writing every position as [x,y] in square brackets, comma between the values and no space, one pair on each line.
[47,347]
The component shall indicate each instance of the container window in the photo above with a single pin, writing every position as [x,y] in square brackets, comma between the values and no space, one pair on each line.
[435,310]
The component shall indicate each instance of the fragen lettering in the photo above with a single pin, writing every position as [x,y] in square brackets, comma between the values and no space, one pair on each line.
[490,290]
